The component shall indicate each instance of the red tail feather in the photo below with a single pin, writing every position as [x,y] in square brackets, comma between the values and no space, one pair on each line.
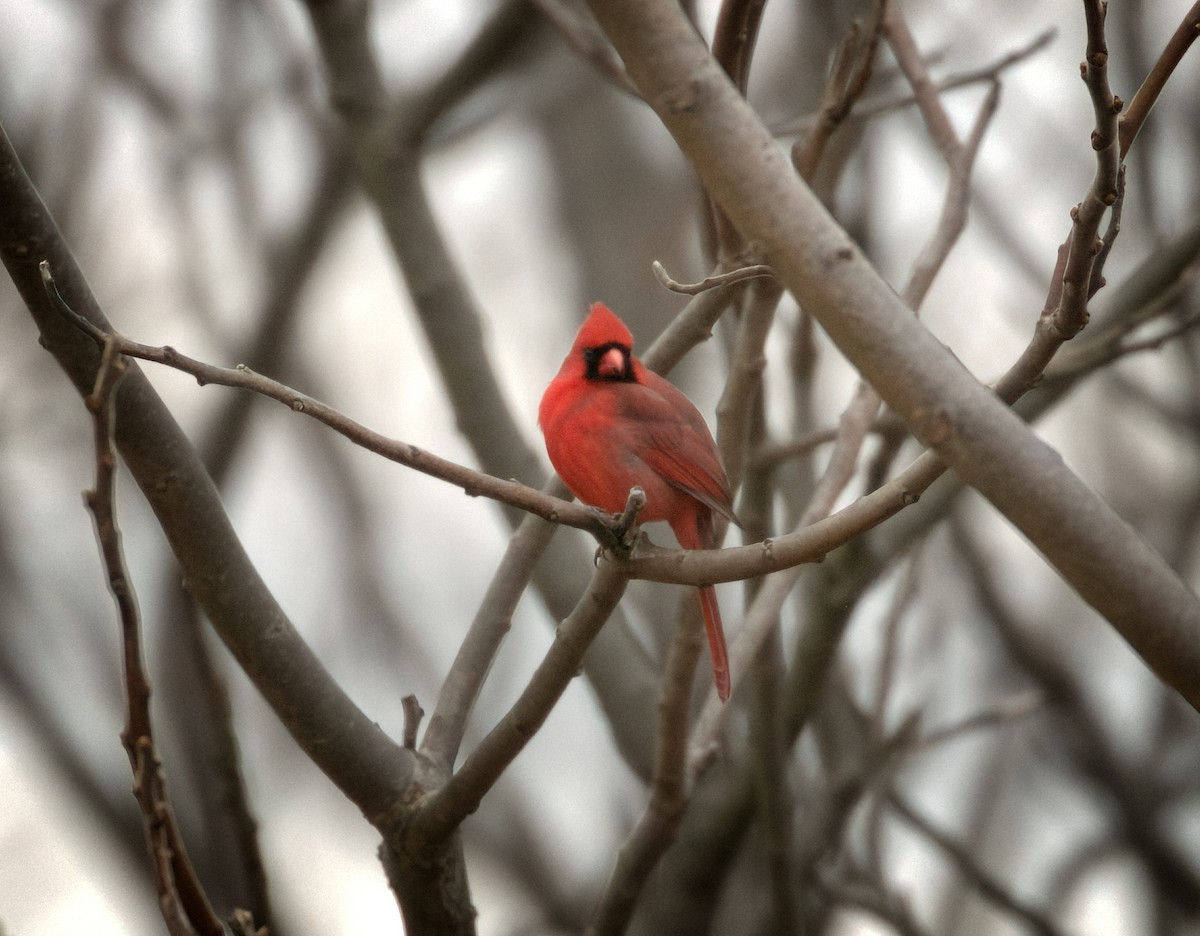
[716,640]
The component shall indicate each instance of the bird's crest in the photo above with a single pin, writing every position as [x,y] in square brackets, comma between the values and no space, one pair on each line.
[602,327]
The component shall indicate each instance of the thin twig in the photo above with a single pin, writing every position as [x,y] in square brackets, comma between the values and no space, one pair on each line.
[953,218]
[908,56]
[1147,95]
[184,906]
[1014,708]
[709,282]
[994,891]
[881,104]
[1071,313]
[869,897]
[1111,230]
[473,483]
[847,80]
[959,156]
[889,657]
[1155,342]
[692,326]
[1065,310]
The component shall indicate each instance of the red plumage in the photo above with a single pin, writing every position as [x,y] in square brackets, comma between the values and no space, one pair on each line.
[611,424]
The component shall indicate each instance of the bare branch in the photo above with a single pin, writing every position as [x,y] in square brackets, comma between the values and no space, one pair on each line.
[735,36]
[1147,95]
[1071,313]
[959,156]
[583,36]
[953,219]
[184,905]
[908,56]
[439,815]
[655,830]
[709,282]
[413,713]
[1075,272]
[348,746]
[463,683]
[473,483]
[944,406]
[847,80]
[987,885]
[873,106]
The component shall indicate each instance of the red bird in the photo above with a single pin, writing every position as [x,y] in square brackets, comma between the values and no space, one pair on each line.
[611,424]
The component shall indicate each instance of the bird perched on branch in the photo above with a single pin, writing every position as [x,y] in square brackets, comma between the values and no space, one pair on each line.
[610,425]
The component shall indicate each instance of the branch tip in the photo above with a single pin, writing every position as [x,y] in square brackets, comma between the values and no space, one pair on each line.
[709,282]
[413,713]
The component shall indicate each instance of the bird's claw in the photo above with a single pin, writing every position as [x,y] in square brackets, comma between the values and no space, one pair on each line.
[620,532]
[623,527]
[613,535]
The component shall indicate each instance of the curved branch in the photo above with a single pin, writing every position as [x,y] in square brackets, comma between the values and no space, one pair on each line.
[474,483]
[709,282]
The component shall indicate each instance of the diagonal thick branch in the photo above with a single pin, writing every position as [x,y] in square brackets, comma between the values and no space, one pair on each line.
[945,407]
[347,745]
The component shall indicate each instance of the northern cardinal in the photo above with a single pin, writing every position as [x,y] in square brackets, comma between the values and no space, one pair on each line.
[611,424]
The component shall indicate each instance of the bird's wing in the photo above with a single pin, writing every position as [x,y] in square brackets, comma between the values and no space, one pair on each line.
[673,440]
